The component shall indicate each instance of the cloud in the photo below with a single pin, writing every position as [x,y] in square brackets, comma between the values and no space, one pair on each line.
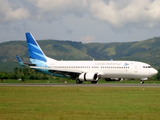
[120,13]
[10,12]
[87,39]
[57,9]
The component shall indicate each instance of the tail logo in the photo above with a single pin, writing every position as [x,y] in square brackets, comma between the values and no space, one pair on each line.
[34,50]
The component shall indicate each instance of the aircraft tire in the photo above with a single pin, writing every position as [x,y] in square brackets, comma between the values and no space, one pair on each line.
[94,82]
[78,81]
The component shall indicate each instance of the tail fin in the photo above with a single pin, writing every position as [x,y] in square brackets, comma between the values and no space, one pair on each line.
[35,52]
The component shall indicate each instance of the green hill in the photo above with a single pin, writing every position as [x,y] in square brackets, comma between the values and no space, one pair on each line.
[146,51]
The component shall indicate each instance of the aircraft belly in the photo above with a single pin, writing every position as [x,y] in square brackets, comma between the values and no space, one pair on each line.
[114,73]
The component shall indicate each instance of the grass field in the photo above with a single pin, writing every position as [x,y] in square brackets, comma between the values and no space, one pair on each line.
[79,103]
[65,80]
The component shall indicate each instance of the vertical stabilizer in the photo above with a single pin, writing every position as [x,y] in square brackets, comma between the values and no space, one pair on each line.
[35,52]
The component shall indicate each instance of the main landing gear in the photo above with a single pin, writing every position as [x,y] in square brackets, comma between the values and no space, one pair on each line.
[94,82]
[80,82]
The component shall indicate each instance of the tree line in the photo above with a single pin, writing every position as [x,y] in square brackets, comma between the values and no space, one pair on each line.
[24,74]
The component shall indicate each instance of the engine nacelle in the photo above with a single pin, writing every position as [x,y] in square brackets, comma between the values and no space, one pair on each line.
[89,76]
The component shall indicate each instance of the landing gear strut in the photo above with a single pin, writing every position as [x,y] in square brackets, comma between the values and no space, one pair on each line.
[142,80]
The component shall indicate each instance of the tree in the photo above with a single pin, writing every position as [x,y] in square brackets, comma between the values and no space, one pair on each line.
[3,76]
[158,75]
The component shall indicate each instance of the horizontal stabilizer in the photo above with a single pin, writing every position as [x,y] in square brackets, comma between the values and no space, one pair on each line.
[23,63]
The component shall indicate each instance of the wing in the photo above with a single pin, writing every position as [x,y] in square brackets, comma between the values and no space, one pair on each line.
[67,73]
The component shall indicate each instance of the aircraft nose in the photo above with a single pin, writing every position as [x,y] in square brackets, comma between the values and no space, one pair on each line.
[154,71]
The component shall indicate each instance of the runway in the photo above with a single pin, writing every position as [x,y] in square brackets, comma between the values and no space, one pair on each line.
[81,85]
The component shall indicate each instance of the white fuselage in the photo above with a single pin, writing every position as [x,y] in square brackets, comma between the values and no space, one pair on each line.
[106,69]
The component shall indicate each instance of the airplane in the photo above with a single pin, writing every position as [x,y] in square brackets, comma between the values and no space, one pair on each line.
[86,70]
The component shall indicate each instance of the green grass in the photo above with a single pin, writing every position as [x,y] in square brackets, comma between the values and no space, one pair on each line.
[79,103]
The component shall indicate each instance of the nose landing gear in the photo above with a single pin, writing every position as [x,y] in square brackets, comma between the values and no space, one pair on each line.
[142,80]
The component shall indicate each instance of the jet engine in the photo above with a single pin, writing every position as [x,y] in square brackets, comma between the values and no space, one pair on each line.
[88,76]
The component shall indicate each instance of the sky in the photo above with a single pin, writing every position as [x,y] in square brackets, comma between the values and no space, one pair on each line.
[86,21]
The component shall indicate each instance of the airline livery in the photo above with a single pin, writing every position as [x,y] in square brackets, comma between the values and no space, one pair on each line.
[85,70]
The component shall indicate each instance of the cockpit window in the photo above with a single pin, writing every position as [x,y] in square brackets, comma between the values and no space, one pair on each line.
[147,67]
